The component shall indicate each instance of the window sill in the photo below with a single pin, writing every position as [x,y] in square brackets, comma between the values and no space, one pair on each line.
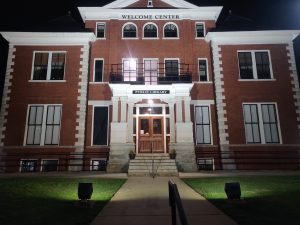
[154,38]
[47,81]
[171,38]
[101,38]
[124,38]
[253,80]
[93,82]
[203,82]
[199,38]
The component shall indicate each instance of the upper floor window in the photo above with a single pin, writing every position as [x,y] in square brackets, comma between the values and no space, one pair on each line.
[100,33]
[150,30]
[255,65]
[202,68]
[48,66]
[129,31]
[171,67]
[200,30]
[170,30]
[98,70]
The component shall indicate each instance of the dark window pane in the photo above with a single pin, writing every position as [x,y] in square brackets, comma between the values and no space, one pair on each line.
[49,165]
[34,125]
[129,31]
[100,30]
[245,64]
[157,126]
[99,165]
[28,165]
[52,132]
[263,65]
[170,30]
[203,70]
[200,30]
[57,66]
[150,30]
[40,66]
[203,135]
[100,125]
[98,71]
[251,120]
[171,68]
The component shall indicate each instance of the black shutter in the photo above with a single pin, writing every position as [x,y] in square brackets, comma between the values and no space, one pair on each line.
[100,125]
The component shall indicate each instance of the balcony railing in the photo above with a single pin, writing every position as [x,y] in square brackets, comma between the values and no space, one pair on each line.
[158,74]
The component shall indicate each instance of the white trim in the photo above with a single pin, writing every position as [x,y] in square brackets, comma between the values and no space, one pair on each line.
[178,60]
[48,39]
[151,59]
[252,37]
[92,134]
[150,38]
[210,124]
[136,30]
[99,59]
[50,53]
[207,72]
[202,102]
[170,38]
[204,31]
[44,119]
[47,81]
[30,159]
[95,159]
[96,31]
[42,163]
[254,68]
[99,103]
[261,125]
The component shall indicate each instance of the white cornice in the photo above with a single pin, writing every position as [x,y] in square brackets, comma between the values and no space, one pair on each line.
[252,37]
[101,13]
[41,38]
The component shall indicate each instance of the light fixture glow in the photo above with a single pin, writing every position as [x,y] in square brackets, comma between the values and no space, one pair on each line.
[150,102]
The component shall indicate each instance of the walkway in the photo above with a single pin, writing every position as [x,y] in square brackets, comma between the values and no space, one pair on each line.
[144,201]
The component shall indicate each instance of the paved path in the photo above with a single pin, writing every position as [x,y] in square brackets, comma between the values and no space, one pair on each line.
[144,201]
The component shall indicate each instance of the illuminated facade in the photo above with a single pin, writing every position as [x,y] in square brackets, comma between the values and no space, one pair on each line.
[151,76]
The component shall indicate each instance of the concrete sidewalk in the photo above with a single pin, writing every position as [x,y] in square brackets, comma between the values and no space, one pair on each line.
[145,201]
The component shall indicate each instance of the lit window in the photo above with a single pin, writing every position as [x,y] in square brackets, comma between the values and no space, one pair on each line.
[48,66]
[200,30]
[100,33]
[129,31]
[150,31]
[170,31]
[130,70]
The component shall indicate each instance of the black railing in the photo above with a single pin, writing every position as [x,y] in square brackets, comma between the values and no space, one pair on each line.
[176,204]
[160,74]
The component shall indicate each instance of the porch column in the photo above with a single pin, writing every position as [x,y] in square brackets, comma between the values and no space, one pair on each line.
[123,109]
[130,122]
[172,122]
[115,103]
[179,110]
[187,109]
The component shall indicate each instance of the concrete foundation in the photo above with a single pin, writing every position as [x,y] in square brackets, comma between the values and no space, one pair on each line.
[185,156]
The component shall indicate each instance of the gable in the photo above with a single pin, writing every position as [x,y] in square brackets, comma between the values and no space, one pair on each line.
[144,4]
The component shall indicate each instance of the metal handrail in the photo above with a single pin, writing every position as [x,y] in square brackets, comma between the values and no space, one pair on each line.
[175,202]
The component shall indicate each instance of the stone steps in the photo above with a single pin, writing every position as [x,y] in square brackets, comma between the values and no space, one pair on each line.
[156,165]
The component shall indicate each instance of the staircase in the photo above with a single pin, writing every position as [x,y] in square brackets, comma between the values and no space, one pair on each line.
[152,165]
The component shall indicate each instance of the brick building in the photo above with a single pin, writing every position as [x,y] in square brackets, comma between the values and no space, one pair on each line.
[150,76]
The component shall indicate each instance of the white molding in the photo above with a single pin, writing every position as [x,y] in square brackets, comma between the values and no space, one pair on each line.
[252,37]
[178,33]
[47,38]
[6,93]
[136,30]
[149,38]
[202,102]
[99,103]
[106,13]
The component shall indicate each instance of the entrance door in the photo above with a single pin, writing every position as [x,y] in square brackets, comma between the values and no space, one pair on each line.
[151,135]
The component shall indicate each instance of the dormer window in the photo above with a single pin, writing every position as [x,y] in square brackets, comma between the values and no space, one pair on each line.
[150,4]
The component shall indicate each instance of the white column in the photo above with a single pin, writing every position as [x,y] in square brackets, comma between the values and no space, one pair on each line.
[130,122]
[178,110]
[187,109]
[172,122]
[115,103]
[123,109]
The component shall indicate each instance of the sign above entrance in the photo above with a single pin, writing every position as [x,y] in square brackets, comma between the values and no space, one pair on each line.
[146,92]
[150,17]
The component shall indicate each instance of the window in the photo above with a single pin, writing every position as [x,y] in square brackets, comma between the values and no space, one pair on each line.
[171,68]
[203,70]
[100,33]
[150,4]
[261,123]
[130,31]
[29,165]
[48,66]
[43,125]
[150,31]
[170,31]
[130,70]
[200,30]
[98,70]
[49,165]
[98,164]
[255,65]
[203,127]
[100,125]
[151,71]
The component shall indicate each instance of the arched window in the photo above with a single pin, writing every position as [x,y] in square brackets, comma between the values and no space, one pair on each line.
[170,30]
[129,30]
[150,30]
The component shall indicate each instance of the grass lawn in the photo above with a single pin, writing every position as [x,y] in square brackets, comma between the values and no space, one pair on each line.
[268,200]
[51,201]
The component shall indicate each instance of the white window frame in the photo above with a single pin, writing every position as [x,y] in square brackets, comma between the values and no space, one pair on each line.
[150,38]
[96,29]
[130,38]
[31,159]
[42,142]
[261,125]
[203,30]
[207,71]
[97,82]
[150,59]
[42,163]
[92,135]
[254,68]
[92,159]
[170,38]
[137,65]
[195,132]
[178,59]
[48,67]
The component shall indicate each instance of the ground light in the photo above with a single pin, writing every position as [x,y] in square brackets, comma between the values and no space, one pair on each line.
[233,191]
[85,191]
